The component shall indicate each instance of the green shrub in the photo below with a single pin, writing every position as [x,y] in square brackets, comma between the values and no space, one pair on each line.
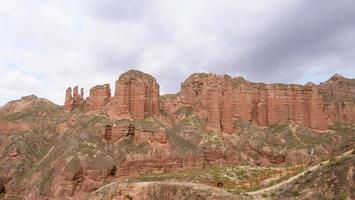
[295,193]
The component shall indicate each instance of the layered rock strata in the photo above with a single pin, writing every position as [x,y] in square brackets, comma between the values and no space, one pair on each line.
[223,100]
[99,96]
[136,96]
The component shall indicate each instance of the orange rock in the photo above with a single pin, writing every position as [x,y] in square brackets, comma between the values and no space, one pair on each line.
[226,100]
[99,97]
[72,100]
[69,101]
[136,95]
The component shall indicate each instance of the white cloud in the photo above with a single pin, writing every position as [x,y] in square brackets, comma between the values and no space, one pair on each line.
[55,44]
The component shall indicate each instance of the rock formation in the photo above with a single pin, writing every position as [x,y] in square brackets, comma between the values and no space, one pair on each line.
[67,155]
[99,97]
[73,99]
[227,99]
[136,95]
[223,100]
[211,93]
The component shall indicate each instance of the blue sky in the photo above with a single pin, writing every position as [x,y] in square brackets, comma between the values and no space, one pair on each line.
[47,46]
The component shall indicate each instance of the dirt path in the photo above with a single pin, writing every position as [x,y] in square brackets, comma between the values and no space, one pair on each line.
[257,194]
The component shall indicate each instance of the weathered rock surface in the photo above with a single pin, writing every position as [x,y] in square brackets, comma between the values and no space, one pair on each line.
[73,99]
[136,96]
[224,100]
[99,97]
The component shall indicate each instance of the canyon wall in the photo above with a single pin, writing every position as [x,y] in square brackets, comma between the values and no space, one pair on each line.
[227,99]
[136,95]
[223,100]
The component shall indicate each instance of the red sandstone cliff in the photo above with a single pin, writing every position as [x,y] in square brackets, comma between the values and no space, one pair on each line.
[227,99]
[136,95]
[223,100]
[99,96]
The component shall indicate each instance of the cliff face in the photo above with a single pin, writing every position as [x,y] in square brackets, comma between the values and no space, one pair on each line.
[339,96]
[136,95]
[227,99]
[223,100]
[99,96]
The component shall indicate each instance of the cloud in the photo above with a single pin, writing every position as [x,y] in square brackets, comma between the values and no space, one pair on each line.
[312,32]
[119,10]
[56,44]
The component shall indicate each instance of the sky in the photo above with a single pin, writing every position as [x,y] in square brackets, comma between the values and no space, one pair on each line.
[47,46]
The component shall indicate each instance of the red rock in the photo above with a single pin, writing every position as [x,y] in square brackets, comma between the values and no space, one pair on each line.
[8,127]
[72,100]
[224,100]
[13,154]
[76,96]
[69,101]
[143,163]
[136,95]
[227,116]
[99,97]
[211,93]
[142,136]
[119,132]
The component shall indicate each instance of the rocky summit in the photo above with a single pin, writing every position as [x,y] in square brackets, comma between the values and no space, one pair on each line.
[219,137]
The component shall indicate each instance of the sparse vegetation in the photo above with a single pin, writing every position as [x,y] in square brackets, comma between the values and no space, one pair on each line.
[340,195]
[234,179]
[295,193]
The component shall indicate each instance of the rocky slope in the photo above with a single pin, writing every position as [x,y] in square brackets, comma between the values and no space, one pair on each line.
[333,180]
[162,191]
[53,152]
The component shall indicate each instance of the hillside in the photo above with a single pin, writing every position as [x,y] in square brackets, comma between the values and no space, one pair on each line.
[218,131]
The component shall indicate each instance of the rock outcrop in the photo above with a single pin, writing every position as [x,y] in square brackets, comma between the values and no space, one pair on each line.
[73,99]
[136,96]
[99,97]
[224,100]
[212,94]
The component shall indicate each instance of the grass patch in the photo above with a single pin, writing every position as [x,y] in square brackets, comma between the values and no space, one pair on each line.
[236,179]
